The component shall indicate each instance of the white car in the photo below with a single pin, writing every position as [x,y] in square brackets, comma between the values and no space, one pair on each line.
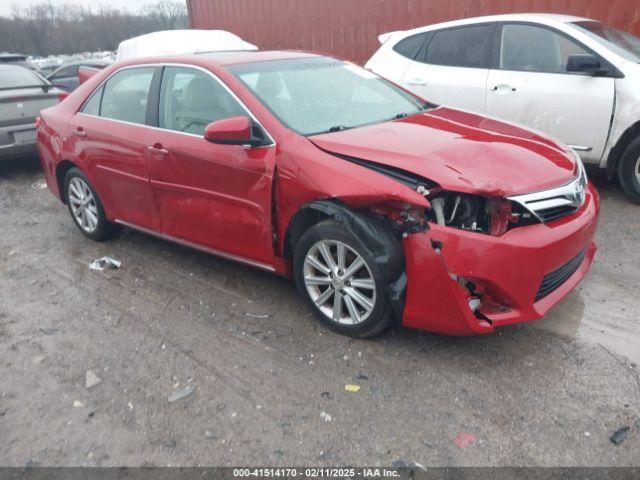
[571,77]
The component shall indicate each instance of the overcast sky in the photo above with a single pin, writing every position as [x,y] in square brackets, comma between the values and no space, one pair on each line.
[5,5]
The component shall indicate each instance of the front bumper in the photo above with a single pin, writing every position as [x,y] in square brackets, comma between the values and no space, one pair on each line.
[509,271]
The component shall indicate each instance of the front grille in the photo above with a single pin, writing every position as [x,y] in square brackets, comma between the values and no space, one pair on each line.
[553,213]
[553,280]
[555,203]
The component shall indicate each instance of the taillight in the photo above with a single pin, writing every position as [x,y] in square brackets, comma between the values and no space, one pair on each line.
[38,121]
[62,96]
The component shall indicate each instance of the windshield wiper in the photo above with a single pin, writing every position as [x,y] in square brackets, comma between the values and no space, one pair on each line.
[337,128]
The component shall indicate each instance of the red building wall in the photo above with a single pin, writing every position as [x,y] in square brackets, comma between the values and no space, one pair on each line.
[349,28]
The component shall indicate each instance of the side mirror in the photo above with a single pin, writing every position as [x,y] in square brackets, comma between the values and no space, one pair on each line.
[586,63]
[232,131]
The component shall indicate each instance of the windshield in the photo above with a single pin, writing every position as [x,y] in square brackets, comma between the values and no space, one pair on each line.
[13,76]
[321,94]
[622,43]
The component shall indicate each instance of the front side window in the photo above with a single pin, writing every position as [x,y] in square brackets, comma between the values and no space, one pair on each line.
[461,47]
[70,71]
[622,43]
[535,49]
[320,94]
[13,76]
[125,95]
[191,99]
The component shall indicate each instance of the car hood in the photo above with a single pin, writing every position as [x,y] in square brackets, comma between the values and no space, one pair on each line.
[460,151]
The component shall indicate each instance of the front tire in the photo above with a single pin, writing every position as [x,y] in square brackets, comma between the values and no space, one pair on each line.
[629,170]
[340,281]
[86,208]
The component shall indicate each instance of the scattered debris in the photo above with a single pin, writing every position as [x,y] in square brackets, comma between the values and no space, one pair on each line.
[620,435]
[91,413]
[362,376]
[464,439]
[105,263]
[325,416]
[256,315]
[180,394]
[77,404]
[91,379]
[37,360]
[49,331]
[39,184]
[130,405]
[220,407]
[349,387]
[326,395]
[210,434]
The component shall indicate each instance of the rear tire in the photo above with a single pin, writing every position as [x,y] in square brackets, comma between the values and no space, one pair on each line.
[363,308]
[629,170]
[86,208]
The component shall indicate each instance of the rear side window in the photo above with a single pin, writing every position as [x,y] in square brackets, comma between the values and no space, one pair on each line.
[191,99]
[125,95]
[410,46]
[92,107]
[535,49]
[461,47]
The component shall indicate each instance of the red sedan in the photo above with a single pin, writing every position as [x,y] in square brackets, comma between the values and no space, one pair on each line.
[383,208]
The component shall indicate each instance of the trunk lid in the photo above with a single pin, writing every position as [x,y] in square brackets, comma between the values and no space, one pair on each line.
[22,105]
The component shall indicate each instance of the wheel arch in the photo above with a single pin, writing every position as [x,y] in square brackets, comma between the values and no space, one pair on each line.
[615,155]
[61,171]
[376,233]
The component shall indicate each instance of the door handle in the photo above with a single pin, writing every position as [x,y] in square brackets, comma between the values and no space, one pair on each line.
[503,88]
[79,132]
[158,149]
[417,81]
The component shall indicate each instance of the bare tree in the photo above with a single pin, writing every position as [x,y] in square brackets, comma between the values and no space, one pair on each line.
[46,29]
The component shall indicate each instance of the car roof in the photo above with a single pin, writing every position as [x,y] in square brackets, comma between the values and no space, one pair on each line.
[12,57]
[546,18]
[218,59]
[233,58]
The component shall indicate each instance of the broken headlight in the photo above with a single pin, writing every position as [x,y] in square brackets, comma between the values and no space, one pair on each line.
[493,216]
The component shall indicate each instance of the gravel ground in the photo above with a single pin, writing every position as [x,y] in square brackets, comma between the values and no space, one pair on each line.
[269,383]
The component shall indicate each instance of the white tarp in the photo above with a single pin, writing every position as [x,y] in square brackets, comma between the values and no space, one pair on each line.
[175,42]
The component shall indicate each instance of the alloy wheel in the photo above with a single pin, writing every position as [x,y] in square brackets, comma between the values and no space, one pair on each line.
[339,282]
[83,205]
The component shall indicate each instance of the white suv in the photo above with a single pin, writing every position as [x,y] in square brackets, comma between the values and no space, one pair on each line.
[571,77]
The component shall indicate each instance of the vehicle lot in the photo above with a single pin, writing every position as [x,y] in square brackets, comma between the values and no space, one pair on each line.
[545,393]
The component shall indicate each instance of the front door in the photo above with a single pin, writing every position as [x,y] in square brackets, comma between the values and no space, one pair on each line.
[217,196]
[531,86]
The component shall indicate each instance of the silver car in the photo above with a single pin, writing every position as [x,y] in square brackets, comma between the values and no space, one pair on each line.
[23,93]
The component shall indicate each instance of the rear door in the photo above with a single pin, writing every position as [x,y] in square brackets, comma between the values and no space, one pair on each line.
[453,66]
[109,136]
[530,85]
[212,195]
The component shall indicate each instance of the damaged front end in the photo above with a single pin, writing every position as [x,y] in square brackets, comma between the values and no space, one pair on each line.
[471,267]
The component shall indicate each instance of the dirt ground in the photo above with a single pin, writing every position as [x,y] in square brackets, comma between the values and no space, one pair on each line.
[267,377]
